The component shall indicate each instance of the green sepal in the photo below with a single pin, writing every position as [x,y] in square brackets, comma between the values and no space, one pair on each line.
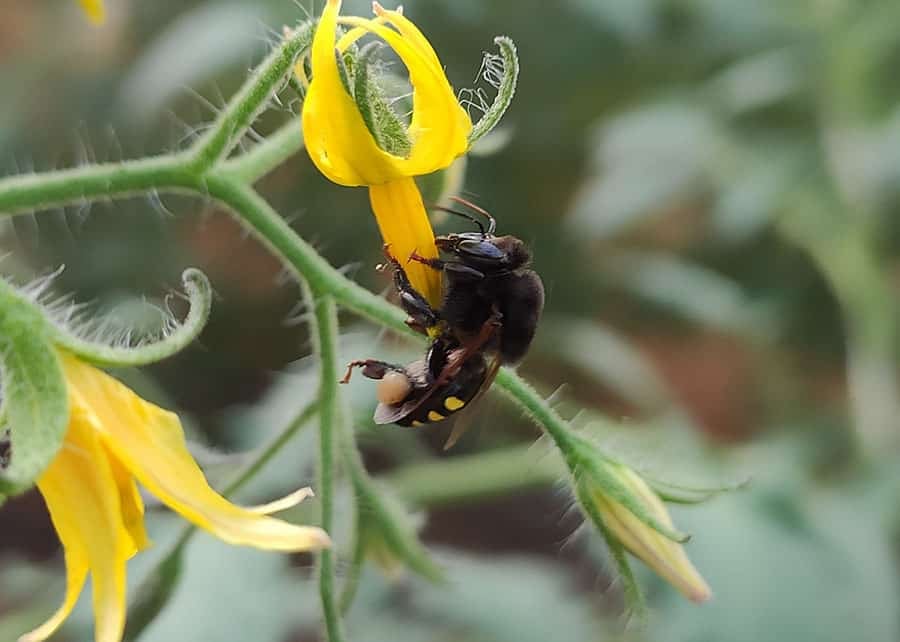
[599,471]
[343,71]
[35,398]
[505,85]
[199,292]
[387,129]
[634,597]
[680,494]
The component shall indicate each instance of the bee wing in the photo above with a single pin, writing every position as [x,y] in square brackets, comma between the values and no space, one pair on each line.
[389,414]
[463,419]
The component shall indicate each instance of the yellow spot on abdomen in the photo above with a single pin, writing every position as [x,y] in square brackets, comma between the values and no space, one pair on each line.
[435,416]
[453,403]
[416,423]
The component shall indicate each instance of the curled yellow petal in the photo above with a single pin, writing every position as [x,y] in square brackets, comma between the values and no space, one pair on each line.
[94,10]
[405,228]
[337,139]
[132,506]
[149,442]
[76,572]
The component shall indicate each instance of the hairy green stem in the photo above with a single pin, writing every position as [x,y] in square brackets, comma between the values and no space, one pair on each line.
[252,99]
[331,417]
[30,192]
[252,165]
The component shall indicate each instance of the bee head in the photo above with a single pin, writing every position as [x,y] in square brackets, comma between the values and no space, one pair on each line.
[485,251]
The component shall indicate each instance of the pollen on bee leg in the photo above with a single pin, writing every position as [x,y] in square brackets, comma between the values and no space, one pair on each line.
[393,388]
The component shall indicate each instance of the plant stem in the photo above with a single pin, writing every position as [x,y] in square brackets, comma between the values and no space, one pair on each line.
[539,410]
[96,182]
[253,97]
[330,428]
[266,156]
[472,477]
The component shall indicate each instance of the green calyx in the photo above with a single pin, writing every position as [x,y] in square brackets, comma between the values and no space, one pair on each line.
[502,73]
[605,476]
[35,399]
[386,128]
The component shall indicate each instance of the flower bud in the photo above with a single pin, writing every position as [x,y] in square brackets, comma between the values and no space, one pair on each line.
[628,511]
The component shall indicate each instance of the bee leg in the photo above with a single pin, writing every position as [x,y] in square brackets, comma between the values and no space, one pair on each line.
[414,324]
[371,368]
[421,315]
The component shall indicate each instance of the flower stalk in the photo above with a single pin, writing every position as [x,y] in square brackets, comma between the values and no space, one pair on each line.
[331,419]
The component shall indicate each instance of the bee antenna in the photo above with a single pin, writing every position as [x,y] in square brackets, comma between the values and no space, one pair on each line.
[468,217]
[492,224]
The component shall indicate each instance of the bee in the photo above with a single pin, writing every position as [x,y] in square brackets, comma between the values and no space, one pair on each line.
[490,309]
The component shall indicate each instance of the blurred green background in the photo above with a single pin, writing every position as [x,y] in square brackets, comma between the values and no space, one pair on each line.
[711,189]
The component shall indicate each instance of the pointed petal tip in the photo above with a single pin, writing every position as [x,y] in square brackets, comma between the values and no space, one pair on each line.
[321,539]
[289,501]
[700,593]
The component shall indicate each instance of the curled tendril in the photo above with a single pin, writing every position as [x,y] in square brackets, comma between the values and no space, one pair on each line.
[170,341]
[501,72]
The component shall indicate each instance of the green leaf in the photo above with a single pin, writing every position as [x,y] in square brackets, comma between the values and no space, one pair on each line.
[35,401]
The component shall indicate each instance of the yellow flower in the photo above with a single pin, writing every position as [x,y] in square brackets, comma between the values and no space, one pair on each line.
[94,10]
[114,440]
[342,147]
[660,553]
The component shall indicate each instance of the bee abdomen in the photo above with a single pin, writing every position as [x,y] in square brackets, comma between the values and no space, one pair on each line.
[439,409]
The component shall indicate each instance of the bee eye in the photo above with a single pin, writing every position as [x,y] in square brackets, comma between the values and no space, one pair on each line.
[480,249]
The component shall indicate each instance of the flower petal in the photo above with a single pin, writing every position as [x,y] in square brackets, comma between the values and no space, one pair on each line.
[76,572]
[132,507]
[337,139]
[284,503]
[405,228]
[440,127]
[83,500]
[149,442]
[336,136]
